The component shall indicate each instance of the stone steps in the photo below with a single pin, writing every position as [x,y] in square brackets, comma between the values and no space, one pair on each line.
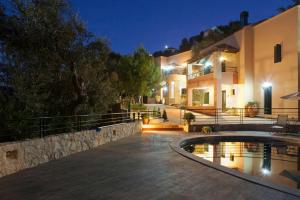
[162,127]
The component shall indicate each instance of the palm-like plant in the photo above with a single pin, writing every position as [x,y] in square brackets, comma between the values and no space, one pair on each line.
[293,4]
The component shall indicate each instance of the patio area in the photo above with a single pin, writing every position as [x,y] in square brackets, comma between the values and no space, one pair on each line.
[138,167]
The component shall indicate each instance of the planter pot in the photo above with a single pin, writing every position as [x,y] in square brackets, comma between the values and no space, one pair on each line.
[251,111]
[186,128]
[146,120]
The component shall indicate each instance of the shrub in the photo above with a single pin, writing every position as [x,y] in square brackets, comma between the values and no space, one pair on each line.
[158,112]
[189,117]
[138,106]
[206,129]
[146,118]
[165,117]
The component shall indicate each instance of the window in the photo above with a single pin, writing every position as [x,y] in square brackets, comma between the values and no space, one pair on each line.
[277,53]
[233,92]
[223,64]
[206,147]
[206,98]
[268,100]
[231,157]
[172,89]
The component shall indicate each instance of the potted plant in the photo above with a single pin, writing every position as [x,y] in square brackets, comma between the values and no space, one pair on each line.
[189,117]
[251,109]
[146,118]
[206,129]
[164,116]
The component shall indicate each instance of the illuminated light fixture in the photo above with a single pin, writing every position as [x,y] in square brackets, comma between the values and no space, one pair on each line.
[166,46]
[165,88]
[265,171]
[222,59]
[266,85]
[207,64]
[167,67]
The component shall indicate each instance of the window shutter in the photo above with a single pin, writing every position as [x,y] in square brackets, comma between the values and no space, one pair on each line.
[277,53]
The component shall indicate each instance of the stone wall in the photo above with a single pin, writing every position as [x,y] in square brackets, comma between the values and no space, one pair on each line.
[15,156]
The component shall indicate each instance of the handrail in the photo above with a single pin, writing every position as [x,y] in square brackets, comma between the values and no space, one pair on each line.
[50,125]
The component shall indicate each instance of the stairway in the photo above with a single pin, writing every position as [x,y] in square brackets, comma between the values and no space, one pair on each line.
[162,127]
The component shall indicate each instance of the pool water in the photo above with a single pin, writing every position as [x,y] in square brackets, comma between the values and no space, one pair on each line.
[275,161]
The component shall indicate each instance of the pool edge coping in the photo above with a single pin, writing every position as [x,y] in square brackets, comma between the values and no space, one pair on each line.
[177,144]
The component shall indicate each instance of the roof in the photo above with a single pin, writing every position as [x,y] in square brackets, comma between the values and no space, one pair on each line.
[220,47]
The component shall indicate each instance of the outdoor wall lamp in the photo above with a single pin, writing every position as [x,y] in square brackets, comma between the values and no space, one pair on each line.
[222,59]
[266,85]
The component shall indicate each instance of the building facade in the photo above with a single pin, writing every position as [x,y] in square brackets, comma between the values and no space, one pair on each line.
[174,71]
[258,63]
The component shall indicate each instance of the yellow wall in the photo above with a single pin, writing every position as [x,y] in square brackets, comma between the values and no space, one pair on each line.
[281,29]
[179,83]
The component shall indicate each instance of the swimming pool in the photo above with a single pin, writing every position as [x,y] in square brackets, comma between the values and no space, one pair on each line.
[266,158]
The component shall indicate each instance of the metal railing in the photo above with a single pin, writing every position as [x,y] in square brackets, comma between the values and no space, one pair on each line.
[206,71]
[229,69]
[200,73]
[174,71]
[44,126]
[242,115]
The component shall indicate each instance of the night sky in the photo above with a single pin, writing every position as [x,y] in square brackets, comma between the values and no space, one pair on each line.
[155,23]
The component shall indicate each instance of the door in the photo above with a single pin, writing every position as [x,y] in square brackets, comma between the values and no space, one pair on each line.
[223,100]
[268,100]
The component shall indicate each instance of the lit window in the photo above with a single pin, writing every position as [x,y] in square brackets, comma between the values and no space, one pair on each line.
[206,98]
[172,90]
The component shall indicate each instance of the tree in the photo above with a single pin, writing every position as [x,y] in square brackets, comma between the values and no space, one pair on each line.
[293,4]
[138,74]
[185,45]
[54,65]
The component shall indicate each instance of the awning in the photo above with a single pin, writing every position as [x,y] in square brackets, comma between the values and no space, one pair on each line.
[294,96]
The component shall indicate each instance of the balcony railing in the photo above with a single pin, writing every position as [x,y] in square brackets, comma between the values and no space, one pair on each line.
[175,71]
[200,73]
[204,72]
[229,69]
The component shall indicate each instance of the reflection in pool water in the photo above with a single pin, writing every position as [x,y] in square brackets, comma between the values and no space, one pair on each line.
[277,162]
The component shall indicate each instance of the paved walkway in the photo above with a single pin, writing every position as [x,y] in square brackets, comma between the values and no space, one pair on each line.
[138,167]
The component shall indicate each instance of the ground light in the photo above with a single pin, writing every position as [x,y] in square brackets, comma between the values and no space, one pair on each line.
[266,85]
[265,171]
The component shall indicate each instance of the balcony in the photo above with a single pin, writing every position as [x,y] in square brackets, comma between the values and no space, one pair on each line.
[208,71]
[200,73]
[177,71]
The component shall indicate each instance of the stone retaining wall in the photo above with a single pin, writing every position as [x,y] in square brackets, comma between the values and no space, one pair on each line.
[15,156]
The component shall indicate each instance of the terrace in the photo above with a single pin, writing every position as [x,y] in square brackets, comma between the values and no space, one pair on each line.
[138,167]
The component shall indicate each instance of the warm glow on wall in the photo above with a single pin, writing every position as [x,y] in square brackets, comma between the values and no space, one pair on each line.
[207,64]
[167,67]
[222,59]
